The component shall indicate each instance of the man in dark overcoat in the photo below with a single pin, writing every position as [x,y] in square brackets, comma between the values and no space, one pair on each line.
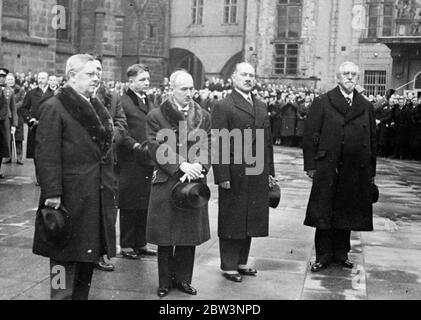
[112,101]
[243,197]
[177,231]
[30,110]
[135,166]
[340,156]
[75,165]
[19,134]
[8,117]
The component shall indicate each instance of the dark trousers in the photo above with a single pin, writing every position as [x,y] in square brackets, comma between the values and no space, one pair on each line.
[175,263]
[70,280]
[234,253]
[332,245]
[133,228]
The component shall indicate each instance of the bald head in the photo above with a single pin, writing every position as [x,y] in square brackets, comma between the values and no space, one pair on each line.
[244,77]
[182,85]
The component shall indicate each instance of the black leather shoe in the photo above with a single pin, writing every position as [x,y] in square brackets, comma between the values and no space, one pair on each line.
[146,252]
[346,264]
[318,266]
[247,272]
[236,277]
[104,266]
[2,176]
[130,255]
[162,292]
[185,287]
[19,163]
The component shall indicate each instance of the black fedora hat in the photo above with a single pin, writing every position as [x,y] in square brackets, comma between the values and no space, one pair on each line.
[190,195]
[274,193]
[375,194]
[54,226]
[274,196]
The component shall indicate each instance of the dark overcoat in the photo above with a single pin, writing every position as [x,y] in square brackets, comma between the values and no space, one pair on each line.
[384,114]
[276,119]
[167,225]
[244,209]
[8,118]
[289,120]
[30,110]
[20,94]
[134,176]
[340,144]
[301,117]
[75,162]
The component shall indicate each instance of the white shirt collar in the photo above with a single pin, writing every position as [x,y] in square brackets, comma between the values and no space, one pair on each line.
[44,90]
[180,108]
[87,99]
[141,96]
[350,96]
[245,96]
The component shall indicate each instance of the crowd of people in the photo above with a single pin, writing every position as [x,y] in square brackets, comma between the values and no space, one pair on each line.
[398,119]
[100,146]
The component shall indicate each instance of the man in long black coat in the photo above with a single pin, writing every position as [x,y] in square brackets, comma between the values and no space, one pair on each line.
[75,164]
[339,145]
[177,231]
[243,195]
[8,117]
[135,168]
[30,112]
[112,101]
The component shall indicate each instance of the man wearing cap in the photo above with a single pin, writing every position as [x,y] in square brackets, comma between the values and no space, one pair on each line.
[170,129]
[75,162]
[30,109]
[8,117]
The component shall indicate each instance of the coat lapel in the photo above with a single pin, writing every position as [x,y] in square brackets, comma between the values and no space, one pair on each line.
[133,96]
[338,101]
[93,117]
[358,107]
[242,104]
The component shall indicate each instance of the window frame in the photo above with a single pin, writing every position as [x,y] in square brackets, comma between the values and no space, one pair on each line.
[228,12]
[288,5]
[287,56]
[375,82]
[378,18]
[197,11]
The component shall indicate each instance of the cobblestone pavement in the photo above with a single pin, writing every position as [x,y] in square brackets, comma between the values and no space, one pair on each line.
[387,260]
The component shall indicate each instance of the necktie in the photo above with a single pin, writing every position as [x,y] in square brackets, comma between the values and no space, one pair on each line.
[348,99]
[250,100]
[185,111]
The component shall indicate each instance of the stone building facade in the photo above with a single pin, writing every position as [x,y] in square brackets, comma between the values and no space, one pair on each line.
[34,39]
[299,42]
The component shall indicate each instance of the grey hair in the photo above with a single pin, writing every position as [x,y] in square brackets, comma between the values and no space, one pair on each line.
[343,64]
[77,62]
[174,76]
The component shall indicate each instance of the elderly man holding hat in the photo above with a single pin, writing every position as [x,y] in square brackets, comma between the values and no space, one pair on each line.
[8,117]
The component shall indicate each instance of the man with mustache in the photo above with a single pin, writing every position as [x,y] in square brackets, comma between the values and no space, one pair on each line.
[340,147]
[243,199]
